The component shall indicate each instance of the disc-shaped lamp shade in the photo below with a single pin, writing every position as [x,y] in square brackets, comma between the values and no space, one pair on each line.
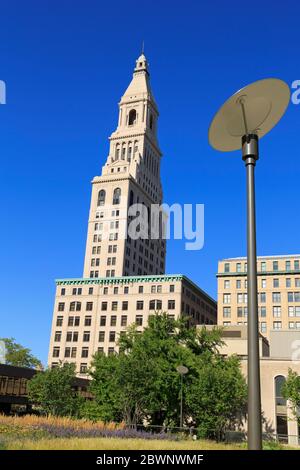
[182,370]
[255,109]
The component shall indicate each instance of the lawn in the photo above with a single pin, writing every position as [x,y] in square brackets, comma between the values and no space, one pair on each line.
[114,444]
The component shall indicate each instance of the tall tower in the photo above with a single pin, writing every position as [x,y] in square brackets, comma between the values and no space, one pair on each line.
[130,175]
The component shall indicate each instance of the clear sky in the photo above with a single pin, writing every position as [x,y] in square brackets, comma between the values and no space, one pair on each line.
[66,64]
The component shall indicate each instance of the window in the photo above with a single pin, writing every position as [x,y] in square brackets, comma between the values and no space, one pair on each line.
[280,408]
[263,266]
[55,352]
[86,336]
[155,305]
[113,320]
[141,289]
[72,336]
[238,267]
[102,320]
[85,352]
[75,306]
[297,282]
[276,297]
[101,336]
[87,321]
[140,305]
[139,320]
[172,288]
[57,336]
[226,267]
[101,198]
[277,325]
[296,265]
[91,290]
[117,196]
[67,352]
[262,311]
[238,284]
[226,284]
[226,298]
[263,283]
[275,265]
[171,304]
[123,320]
[83,368]
[263,327]
[63,291]
[112,336]
[240,298]
[287,265]
[59,321]
[293,296]
[89,306]
[77,291]
[275,282]
[104,306]
[114,306]
[111,351]
[132,117]
[262,297]
[126,290]
[61,306]
[288,282]
[226,312]
[277,311]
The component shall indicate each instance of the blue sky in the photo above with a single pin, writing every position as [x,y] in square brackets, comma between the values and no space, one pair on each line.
[66,65]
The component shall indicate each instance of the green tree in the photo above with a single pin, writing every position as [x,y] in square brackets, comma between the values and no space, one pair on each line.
[291,391]
[52,390]
[142,382]
[17,355]
[216,396]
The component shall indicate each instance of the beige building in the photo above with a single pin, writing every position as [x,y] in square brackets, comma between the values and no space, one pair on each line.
[123,279]
[278,280]
[276,358]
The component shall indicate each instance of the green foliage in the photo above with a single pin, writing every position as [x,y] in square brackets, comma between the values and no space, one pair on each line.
[291,391]
[216,395]
[17,355]
[142,383]
[52,390]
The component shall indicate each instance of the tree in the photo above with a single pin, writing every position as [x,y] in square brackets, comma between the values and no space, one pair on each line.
[291,391]
[17,355]
[142,382]
[52,390]
[216,396]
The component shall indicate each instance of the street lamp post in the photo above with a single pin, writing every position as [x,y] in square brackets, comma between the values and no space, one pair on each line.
[182,370]
[244,118]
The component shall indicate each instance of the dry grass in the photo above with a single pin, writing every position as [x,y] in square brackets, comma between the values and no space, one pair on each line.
[32,421]
[116,444]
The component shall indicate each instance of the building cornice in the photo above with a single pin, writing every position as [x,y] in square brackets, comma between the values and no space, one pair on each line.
[260,273]
[120,280]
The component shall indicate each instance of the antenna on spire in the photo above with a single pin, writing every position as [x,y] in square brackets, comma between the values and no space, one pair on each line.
[143,46]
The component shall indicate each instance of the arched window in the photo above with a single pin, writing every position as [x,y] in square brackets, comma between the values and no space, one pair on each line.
[101,198]
[280,409]
[117,196]
[151,121]
[131,198]
[129,154]
[117,156]
[132,117]
[75,306]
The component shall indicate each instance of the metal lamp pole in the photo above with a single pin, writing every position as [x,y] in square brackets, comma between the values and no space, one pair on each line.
[252,111]
[182,370]
[250,156]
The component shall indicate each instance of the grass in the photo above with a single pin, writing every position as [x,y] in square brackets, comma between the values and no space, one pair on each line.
[115,444]
[52,433]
